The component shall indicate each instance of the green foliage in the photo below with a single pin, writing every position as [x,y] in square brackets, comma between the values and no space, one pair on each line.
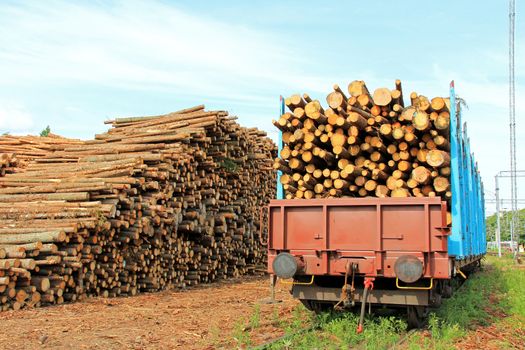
[505,218]
[45,132]
[229,165]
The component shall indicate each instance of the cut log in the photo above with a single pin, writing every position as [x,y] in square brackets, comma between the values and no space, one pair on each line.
[437,158]
[437,104]
[441,184]
[421,175]
[382,97]
[400,192]
[336,100]
[357,88]
[49,236]
[421,121]
[442,121]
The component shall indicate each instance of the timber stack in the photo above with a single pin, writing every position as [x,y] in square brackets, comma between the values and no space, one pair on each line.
[365,143]
[8,163]
[156,202]
[17,151]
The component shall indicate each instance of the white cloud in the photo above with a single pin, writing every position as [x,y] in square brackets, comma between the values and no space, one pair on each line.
[139,45]
[14,117]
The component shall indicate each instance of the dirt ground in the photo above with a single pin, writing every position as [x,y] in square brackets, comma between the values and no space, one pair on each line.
[492,337]
[206,317]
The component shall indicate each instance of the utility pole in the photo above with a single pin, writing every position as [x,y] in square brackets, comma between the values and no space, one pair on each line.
[514,224]
[498,229]
[505,173]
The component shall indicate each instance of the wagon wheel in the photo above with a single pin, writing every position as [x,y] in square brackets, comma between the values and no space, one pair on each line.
[416,316]
[316,306]
[445,289]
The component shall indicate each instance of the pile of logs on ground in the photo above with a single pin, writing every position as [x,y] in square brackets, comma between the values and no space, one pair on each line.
[365,144]
[8,163]
[155,202]
[17,151]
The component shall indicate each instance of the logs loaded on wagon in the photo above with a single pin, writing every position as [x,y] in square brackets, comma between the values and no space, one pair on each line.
[365,143]
[155,202]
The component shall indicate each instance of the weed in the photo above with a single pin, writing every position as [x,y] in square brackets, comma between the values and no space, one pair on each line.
[255,319]
[240,335]
[338,331]
[300,318]
[443,333]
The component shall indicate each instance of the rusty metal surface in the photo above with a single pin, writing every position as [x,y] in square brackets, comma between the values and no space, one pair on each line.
[377,296]
[467,261]
[408,268]
[370,232]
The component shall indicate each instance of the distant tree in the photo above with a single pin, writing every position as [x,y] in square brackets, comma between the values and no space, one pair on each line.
[505,218]
[45,132]
[5,133]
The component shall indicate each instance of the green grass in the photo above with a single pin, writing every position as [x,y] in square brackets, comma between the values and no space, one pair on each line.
[338,331]
[240,336]
[255,318]
[514,298]
[301,318]
[483,299]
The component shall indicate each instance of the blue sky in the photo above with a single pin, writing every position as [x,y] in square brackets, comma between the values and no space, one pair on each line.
[72,65]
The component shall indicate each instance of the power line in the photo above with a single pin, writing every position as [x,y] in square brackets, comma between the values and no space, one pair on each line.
[505,201]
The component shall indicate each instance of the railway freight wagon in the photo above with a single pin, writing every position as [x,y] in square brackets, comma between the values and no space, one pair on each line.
[370,251]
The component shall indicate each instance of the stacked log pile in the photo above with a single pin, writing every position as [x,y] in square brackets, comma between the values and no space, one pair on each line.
[365,144]
[8,163]
[17,151]
[156,202]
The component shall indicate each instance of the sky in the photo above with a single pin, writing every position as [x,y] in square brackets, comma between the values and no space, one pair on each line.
[74,64]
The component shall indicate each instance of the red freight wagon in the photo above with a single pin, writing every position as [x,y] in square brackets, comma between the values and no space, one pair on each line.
[400,252]
[389,243]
